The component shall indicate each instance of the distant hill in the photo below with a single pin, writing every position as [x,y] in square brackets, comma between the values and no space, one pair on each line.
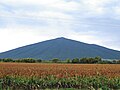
[61,48]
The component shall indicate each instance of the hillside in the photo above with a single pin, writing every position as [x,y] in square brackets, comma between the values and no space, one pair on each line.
[61,48]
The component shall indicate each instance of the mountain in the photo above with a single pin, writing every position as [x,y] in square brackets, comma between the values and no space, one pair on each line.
[61,48]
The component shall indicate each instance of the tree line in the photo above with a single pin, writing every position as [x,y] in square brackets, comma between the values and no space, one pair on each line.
[24,60]
[85,60]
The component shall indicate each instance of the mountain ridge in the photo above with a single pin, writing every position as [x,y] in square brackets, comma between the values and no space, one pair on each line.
[61,48]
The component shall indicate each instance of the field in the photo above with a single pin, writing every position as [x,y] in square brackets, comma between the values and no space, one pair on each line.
[58,70]
[43,75]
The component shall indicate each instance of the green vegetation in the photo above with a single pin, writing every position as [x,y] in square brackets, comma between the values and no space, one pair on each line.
[24,60]
[51,82]
[75,60]
[91,60]
[55,60]
[85,60]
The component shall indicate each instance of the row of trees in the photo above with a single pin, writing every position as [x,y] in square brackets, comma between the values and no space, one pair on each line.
[87,60]
[25,60]
[91,60]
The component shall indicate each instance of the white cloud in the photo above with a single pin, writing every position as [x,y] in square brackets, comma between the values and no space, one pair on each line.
[117,12]
[96,8]
[13,38]
[45,4]
[88,8]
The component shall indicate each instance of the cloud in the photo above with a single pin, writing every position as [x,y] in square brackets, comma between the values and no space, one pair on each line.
[78,8]
[43,4]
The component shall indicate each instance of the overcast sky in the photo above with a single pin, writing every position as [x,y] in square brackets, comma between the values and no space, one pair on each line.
[24,22]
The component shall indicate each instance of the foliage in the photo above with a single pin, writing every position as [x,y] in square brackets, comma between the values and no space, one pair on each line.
[75,60]
[55,60]
[90,60]
[116,61]
[23,60]
[26,60]
[85,60]
[6,60]
[52,82]
[39,60]
[68,60]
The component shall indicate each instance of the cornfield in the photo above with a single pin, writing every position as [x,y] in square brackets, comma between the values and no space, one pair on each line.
[32,76]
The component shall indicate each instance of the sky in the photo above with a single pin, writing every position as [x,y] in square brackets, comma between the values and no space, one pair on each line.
[24,22]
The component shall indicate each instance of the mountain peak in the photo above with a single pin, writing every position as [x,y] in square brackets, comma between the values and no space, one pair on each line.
[61,38]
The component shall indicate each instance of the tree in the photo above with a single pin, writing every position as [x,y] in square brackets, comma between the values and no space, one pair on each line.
[7,60]
[98,58]
[27,60]
[118,62]
[91,60]
[83,60]
[55,60]
[39,60]
[68,60]
[75,60]
[114,61]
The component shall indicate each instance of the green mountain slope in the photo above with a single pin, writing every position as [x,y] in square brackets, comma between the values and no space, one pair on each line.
[61,48]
